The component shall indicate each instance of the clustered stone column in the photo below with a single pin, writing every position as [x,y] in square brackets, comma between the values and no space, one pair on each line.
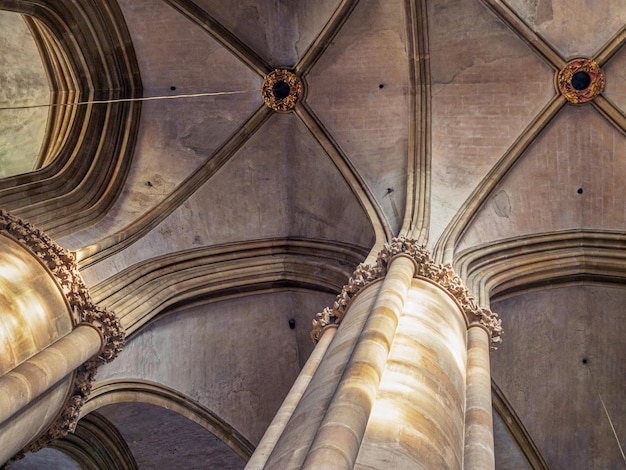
[277,426]
[339,436]
[479,451]
[48,372]
[405,378]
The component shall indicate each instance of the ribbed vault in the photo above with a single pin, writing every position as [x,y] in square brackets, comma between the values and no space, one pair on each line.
[204,213]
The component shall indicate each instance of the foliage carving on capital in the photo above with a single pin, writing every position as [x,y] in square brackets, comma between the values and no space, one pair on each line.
[363,275]
[62,264]
[443,275]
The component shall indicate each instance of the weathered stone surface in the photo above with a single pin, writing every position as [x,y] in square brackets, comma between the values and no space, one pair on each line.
[370,123]
[45,459]
[577,28]
[271,188]
[615,87]
[23,82]
[160,438]
[279,31]
[176,136]
[584,157]
[507,453]
[198,352]
[487,86]
[546,381]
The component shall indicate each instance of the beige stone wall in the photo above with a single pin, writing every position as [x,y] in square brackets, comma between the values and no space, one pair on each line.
[554,383]
[238,358]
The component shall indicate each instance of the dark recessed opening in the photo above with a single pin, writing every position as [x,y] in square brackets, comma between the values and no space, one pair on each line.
[581,80]
[381,86]
[281,90]
[585,360]
[172,88]
[580,190]
[292,323]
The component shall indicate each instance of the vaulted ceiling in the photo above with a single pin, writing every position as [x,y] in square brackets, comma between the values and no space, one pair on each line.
[207,221]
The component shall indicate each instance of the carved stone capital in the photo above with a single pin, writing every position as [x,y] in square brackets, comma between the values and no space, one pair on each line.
[62,265]
[443,275]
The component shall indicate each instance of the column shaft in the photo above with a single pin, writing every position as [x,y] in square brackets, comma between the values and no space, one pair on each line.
[339,437]
[295,441]
[479,452]
[277,426]
[417,419]
[39,373]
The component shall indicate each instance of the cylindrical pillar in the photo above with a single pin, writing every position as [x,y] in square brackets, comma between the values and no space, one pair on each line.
[277,426]
[43,340]
[392,387]
[339,437]
[479,452]
[417,419]
[36,375]
[295,441]
[33,419]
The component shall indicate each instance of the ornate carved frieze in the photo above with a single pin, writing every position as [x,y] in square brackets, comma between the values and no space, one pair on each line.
[62,265]
[443,275]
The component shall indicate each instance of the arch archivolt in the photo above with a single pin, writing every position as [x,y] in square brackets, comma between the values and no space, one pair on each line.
[522,264]
[110,392]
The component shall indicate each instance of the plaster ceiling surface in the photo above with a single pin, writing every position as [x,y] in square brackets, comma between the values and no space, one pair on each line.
[487,86]
[238,358]
[175,136]
[273,187]
[615,88]
[575,27]
[359,90]
[280,31]
[580,151]
[46,459]
[23,83]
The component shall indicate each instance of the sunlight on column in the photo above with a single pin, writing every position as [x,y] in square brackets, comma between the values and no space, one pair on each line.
[418,417]
[33,311]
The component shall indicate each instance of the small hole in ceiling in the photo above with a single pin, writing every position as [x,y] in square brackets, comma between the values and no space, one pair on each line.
[281,90]
[381,86]
[581,80]
[172,88]
[580,190]
[585,360]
